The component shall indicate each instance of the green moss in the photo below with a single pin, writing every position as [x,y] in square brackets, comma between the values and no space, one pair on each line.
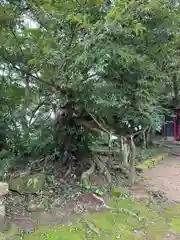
[27,184]
[126,219]
[147,178]
[112,225]
[129,217]
[172,216]
[175,224]
[117,192]
[151,162]
[146,164]
[75,232]
[172,212]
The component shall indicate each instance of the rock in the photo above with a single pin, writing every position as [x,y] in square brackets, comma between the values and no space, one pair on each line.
[27,184]
[139,232]
[3,193]
[2,209]
[3,189]
[3,224]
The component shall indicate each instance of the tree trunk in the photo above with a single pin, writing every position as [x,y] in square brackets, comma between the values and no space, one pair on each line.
[152,133]
[132,162]
[148,136]
[125,150]
[86,175]
[176,89]
[144,139]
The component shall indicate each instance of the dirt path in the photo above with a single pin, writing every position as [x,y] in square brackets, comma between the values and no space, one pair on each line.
[165,178]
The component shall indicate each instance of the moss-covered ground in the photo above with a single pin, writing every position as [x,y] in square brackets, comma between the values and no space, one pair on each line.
[127,220]
[152,161]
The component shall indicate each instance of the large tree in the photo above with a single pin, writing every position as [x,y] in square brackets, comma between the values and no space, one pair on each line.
[90,64]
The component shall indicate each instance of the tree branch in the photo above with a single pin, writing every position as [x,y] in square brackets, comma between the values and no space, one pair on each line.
[100,126]
[35,110]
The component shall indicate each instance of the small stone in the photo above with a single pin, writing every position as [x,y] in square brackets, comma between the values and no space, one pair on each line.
[3,193]
[3,224]
[139,232]
[3,189]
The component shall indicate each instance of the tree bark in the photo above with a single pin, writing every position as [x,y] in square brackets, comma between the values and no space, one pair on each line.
[144,139]
[148,140]
[86,175]
[125,150]
[176,89]
[132,162]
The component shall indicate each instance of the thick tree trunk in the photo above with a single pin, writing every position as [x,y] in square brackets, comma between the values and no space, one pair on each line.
[103,169]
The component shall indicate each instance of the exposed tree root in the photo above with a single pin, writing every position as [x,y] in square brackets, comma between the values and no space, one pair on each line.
[122,168]
[103,169]
[68,172]
[86,175]
[107,175]
[100,165]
